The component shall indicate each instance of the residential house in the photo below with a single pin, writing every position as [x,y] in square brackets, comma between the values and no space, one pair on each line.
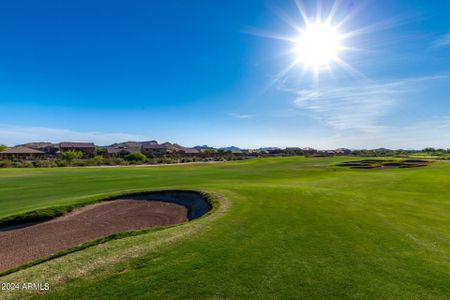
[154,150]
[49,149]
[209,152]
[309,150]
[122,151]
[188,152]
[343,151]
[275,151]
[237,152]
[293,151]
[254,152]
[20,152]
[88,149]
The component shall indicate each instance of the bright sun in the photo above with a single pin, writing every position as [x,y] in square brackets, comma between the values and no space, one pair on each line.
[320,41]
[318,45]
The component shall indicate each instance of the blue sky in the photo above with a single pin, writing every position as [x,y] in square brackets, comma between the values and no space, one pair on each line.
[208,72]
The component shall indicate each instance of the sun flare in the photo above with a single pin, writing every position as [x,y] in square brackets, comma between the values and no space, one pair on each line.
[318,45]
[322,41]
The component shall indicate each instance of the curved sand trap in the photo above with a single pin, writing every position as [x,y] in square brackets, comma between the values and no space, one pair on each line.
[384,163]
[19,245]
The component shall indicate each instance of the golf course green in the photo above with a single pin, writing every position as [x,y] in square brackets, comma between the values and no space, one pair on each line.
[281,228]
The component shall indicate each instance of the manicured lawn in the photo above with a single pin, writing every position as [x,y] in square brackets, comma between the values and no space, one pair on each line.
[288,228]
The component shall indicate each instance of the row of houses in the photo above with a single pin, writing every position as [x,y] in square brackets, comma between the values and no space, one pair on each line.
[41,151]
[157,150]
[47,150]
[150,150]
[36,151]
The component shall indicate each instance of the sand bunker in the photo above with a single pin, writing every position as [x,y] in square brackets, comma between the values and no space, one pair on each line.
[21,244]
[384,163]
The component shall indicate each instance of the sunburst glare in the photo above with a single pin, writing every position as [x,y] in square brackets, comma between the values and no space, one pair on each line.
[318,45]
[319,41]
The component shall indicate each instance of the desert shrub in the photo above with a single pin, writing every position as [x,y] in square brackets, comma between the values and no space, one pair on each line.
[23,164]
[16,163]
[167,160]
[152,161]
[96,161]
[114,161]
[61,163]
[109,161]
[79,163]
[52,163]
[5,164]
[44,164]
[136,157]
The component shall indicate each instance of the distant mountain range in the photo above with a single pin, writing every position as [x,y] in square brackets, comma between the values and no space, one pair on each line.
[36,144]
[231,148]
[134,144]
[153,142]
[203,147]
[138,144]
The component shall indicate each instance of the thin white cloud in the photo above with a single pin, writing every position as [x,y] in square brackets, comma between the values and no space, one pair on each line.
[430,133]
[241,116]
[421,134]
[442,41]
[348,108]
[358,107]
[12,135]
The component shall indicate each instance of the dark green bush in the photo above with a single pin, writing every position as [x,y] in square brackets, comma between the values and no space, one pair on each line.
[136,157]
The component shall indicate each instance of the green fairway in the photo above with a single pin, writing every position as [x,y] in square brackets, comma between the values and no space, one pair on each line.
[286,228]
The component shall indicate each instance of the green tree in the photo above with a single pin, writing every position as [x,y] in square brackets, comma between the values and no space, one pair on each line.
[136,157]
[3,147]
[100,151]
[71,155]
[429,149]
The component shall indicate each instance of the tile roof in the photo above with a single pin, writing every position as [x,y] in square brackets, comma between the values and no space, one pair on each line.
[190,151]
